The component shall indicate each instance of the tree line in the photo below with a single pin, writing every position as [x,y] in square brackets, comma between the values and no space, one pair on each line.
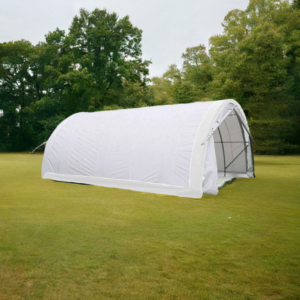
[98,66]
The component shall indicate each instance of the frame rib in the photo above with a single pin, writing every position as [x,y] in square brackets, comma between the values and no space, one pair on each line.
[223,151]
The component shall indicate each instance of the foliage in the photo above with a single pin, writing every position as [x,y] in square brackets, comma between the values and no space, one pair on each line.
[186,85]
[109,50]
[96,65]
[16,93]
[162,90]
[257,62]
[254,66]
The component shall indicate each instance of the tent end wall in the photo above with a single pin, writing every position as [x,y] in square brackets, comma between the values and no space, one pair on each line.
[217,116]
[214,115]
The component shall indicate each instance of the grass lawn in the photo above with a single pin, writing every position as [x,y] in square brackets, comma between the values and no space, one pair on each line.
[70,241]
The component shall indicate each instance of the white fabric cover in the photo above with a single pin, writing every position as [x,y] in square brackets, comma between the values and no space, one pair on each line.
[210,178]
[150,149]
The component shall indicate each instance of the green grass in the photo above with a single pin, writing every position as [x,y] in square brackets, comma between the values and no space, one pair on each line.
[69,241]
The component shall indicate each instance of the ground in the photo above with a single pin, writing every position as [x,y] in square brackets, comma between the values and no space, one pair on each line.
[70,241]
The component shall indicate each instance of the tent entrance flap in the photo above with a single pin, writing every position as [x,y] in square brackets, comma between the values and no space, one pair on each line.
[236,157]
[233,148]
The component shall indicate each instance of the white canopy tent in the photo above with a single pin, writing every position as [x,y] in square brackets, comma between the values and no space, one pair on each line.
[183,150]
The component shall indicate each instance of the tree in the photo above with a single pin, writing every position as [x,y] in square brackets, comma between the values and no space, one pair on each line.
[96,65]
[197,73]
[109,49]
[256,60]
[16,94]
[190,83]
[252,65]
[162,90]
[296,4]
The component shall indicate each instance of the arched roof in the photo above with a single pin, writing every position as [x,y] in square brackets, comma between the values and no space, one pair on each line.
[159,149]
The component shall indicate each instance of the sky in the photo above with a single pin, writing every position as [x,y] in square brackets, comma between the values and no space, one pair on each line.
[169,26]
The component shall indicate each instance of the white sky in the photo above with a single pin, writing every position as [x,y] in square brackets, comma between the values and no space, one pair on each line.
[169,26]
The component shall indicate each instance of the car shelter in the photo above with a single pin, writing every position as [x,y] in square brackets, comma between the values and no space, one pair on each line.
[184,150]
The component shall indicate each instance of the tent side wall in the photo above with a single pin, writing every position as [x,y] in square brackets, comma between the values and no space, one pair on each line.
[144,149]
